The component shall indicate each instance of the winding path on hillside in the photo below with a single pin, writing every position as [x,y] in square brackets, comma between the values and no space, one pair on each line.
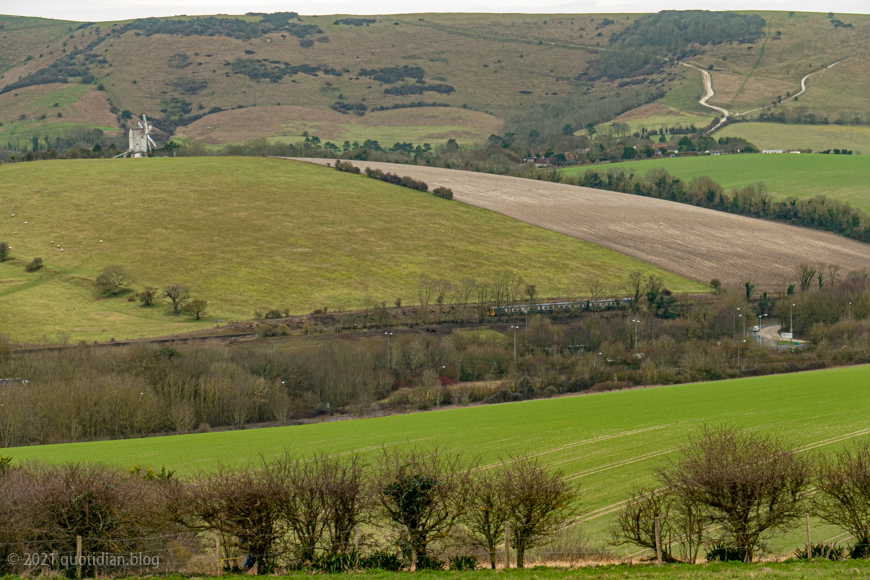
[803,87]
[708,89]
[698,243]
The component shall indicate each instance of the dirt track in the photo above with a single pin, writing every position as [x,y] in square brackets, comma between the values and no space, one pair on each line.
[697,243]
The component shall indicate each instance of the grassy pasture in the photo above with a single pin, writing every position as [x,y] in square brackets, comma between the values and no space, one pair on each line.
[841,177]
[655,116]
[606,442]
[287,124]
[815,137]
[246,233]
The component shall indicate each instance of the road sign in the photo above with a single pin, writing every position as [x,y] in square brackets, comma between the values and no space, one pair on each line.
[787,336]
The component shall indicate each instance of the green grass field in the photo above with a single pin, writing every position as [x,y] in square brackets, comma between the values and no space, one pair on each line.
[815,137]
[252,233]
[607,442]
[840,177]
[792,570]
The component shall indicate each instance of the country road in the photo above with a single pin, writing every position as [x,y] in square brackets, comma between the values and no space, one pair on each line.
[803,88]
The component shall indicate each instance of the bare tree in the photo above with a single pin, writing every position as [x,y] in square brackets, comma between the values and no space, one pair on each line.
[749,485]
[681,522]
[844,483]
[425,287]
[442,290]
[594,287]
[243,504]
[634,286]
[805,275]
[487,512]
[177,294]
[538,503]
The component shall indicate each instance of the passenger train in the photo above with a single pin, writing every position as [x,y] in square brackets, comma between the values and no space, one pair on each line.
[545,307]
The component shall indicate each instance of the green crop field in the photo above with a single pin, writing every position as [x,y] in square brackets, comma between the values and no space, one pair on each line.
[607,443]
[246,233]
[794,137]
[840,177]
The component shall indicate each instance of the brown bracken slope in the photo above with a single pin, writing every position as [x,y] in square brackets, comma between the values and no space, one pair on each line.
[697,243]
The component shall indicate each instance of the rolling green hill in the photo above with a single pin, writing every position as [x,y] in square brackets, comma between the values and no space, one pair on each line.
[499,66]
[840,177]
[607,442]
[246,233]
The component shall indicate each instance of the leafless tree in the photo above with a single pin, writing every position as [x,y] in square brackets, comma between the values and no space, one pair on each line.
[425,287]
[749,485]
[487,512]
[805,274]
[178,295]
[538,502]
[844,483]
[634,285]
[243,504]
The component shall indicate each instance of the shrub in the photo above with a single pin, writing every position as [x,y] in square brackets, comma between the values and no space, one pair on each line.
[823,551]
[146,296]
[443,192]
[34,265]
[306,43]
[859,551]
[460,563]
[429,563]
[346,166]
[333,563]
[381,560]
[4,251]
[723,553]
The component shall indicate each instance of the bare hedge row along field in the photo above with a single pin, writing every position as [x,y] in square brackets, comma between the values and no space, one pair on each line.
[698,243]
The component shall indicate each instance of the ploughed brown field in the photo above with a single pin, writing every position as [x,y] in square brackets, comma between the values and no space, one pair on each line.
[698,243]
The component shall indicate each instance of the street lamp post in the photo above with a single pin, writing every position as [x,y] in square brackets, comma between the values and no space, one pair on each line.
[760,316]
[735,323]
[636,322]
[791,319]
[850,311]
[738,355]
[744,326]
[388,335]
[515,344]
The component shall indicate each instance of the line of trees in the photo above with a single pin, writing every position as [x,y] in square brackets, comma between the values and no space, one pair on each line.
[89,393]
[733,490]
[331,513]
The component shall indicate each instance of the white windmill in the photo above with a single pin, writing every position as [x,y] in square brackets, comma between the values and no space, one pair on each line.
[140,141]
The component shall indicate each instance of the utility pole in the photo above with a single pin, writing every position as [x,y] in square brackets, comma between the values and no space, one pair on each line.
[515,344]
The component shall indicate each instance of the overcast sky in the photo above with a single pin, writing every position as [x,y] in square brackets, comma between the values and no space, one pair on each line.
[101,10]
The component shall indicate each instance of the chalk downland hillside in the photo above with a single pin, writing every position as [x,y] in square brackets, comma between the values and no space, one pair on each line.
[607,443]
[695,242]
[248,233]
[839,177]
[503,66]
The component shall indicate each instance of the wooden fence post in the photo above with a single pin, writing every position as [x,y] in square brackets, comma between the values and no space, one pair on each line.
[658,543]
[78,556]
[809,540]
[220,556]
[507,545]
